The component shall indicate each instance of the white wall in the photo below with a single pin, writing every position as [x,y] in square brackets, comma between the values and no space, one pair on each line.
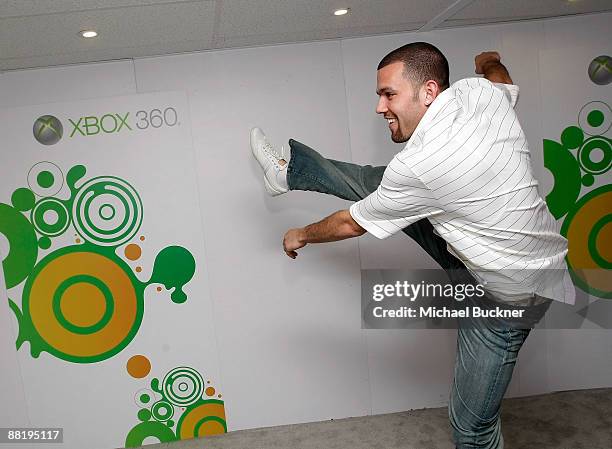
[288,334]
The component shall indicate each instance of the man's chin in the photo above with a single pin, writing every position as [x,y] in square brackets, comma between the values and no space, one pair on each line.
[398,138]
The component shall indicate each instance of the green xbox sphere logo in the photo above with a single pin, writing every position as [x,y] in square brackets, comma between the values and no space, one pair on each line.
[48,130]
[600,70]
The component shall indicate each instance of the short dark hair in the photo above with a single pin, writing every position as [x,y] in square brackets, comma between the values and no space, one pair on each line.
[422,62]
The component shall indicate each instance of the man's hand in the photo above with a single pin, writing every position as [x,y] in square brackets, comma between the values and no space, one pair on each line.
[293,240]
[486,57]
[489,64]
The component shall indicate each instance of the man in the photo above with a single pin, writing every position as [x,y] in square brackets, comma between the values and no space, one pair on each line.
[463,189]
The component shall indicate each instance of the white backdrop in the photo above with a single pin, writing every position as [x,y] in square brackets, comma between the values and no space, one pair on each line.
[287,333]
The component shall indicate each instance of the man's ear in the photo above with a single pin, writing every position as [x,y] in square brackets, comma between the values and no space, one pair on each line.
[431,90]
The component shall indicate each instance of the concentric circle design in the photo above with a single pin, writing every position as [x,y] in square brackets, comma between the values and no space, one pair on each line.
[585,155]
[162,410]
[107,211]
[50,217]
[203,419]
[588,228]
[595,118]
[45,179]
[183,386]
[82,304]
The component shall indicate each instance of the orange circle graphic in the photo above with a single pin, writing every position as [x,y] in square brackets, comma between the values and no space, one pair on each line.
[52,276]
[138,366]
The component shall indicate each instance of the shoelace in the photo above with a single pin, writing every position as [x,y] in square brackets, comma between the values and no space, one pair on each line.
[273,155]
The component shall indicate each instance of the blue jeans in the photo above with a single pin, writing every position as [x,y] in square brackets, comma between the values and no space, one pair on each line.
[486,351]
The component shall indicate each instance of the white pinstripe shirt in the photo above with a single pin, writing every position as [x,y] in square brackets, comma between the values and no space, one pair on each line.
[467,169]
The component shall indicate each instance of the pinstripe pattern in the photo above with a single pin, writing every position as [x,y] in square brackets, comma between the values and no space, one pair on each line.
[467,169]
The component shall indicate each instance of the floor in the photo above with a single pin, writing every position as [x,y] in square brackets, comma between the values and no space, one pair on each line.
[565,420]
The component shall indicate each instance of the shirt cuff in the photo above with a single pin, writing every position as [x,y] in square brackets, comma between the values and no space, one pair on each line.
[372,228]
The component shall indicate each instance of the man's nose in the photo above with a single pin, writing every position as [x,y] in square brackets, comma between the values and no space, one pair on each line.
[381,107]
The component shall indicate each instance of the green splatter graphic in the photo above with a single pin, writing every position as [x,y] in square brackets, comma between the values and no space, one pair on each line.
[174,267]
[73,176]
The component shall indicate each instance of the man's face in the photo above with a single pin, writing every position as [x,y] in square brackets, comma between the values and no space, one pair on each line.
[399,101]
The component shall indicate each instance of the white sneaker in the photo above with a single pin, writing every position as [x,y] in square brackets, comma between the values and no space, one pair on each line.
[275,174]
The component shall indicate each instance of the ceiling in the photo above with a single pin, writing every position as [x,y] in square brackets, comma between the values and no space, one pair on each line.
[40,33]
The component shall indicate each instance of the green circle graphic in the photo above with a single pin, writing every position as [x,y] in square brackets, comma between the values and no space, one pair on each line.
[162,410]
[85,218]
[173,386]
[45,179]
[96,229]
[38,217]
[588,180]
[44,242]
[55,179]
[23,199]
[144,414]
[595,118]
[584,155]
[107,215]
[108,299]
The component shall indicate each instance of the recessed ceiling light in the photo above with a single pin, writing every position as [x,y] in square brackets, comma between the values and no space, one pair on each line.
[341,12]
[88,33]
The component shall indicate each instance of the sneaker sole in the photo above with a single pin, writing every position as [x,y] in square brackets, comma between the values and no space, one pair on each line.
[270,189]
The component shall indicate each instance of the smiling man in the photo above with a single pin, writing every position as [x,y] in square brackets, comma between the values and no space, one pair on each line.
[463,189]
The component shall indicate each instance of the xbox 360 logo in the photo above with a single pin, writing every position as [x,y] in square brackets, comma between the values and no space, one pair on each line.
[600,70]
[48,130]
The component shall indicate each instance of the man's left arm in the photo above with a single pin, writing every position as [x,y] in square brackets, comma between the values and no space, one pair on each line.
[338,226]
